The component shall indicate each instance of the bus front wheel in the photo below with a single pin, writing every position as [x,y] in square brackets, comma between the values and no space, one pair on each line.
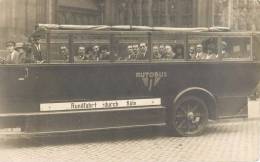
[189,116]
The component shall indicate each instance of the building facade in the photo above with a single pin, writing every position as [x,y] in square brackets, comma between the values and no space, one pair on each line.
[237,14]
[19,17]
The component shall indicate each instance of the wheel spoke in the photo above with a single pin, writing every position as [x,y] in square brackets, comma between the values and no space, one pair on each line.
[181,123]
[180,116]
[183,109]
[194,108]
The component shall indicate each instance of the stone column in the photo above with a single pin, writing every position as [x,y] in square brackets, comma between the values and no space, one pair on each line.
[150,14]
[167,15]
[139,12]
[51,6]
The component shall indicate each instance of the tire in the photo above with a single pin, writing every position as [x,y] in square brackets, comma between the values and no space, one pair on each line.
[189,116]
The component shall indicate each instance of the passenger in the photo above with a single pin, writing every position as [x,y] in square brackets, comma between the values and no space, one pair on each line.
[13,55]
[136,52]
[179,52]
[29,58]
[162,51]
[156,53]
[104,54]
[192,53]
[81,54]
[169,54]
[36,49]
[200,55]
[64,53]
[224,52]
[142,53]
[96,53]
[20,48]
[211,55]
[130,51]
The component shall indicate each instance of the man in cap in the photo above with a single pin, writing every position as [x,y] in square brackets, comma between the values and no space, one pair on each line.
[169,54]
[143,50]
[162,51]
[200,55]
[192,53]
[156,53]
[96,53]
[13,55]
[64,53]
[224,52]
[21,49]
[36,49]
[81,54]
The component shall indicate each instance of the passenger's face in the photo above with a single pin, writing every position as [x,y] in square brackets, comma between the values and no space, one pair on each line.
[135,49]
[81,50]
[155,49]
[168,49]
[142,47]
[192,49]
[10,48]
[199,48]
[130,49]
[96,48]
[63,51]
[162,49]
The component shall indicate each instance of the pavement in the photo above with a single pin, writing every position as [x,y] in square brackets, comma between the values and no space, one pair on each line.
[232,140]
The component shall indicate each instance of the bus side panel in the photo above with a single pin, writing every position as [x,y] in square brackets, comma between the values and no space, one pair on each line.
[56,83]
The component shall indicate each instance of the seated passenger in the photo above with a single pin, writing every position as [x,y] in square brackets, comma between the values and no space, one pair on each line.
[81,54]
[36,49]
[104,54]
[29,58]
[136,52]
[13,55]
[24,55]
[224,52]
[200,55]
[192,53]
[162,51]
[169,54]
[64,53]
[142,51]
[130,52]
[179,52]
[211,55]
[156,53]
[96,53]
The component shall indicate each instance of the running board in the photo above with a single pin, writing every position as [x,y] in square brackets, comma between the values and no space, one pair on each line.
[53,133]
[78,111]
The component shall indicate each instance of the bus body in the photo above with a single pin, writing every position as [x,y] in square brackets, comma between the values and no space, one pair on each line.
[61,96]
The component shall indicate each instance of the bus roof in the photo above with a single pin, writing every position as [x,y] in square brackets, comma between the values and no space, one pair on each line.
[44,27]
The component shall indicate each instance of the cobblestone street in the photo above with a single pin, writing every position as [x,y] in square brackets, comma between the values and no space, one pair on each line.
[225,140]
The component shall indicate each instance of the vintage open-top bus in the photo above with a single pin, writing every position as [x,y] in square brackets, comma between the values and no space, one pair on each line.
[109,88]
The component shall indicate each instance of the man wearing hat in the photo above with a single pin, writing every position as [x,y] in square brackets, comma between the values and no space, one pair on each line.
[13,55]
[25,55]
[200,55]
[36,48]
[64,52]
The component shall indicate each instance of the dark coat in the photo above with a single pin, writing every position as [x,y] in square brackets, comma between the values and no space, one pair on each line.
[37,54]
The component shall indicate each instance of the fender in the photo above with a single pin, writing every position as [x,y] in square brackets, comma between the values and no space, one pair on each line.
[183,92]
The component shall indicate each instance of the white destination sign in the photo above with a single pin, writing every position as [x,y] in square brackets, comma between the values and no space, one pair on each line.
[99,104]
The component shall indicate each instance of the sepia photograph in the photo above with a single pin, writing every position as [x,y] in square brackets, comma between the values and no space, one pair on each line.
[129,80]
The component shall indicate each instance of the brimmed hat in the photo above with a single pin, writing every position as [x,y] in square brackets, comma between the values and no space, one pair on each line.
[19,45]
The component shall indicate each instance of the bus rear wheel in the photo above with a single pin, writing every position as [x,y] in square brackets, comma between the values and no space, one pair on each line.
[190,116]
